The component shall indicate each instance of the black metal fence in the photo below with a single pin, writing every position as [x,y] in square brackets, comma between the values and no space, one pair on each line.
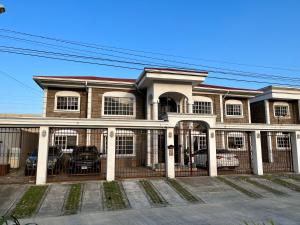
[140,153]
[191,151]
[233,152]
[77,152]
[276,152]
[18,154]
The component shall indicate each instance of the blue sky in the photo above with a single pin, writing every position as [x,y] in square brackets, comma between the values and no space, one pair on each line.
[248,32]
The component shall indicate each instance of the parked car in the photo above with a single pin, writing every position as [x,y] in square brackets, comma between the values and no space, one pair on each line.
[54,161]
[84,159]
[225,159]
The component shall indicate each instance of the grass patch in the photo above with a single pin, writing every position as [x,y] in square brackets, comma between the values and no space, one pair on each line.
[263,186]
[113,195]
[283,183]
[292,176]
[239,188]
[152,193]
[29,202]
[73,199]
[182,191]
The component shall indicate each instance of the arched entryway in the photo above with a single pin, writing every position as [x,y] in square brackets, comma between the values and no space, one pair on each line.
[191,148]
[173,102]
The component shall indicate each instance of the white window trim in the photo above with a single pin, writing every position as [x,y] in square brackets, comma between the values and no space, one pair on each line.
[234,102]
[236,134]
[118,94]
[282,148]
[65,133]
[282,104]
[127,134]
[204,99]
[66,94]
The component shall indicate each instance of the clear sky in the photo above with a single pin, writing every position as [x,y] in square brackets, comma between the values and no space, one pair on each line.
[248,32]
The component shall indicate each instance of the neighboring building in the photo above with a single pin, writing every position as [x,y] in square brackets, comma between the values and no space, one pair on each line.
[167,122]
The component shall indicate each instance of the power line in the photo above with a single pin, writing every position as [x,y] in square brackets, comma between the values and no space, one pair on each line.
[22,50]
[134,68]
[87,45]
[106,47]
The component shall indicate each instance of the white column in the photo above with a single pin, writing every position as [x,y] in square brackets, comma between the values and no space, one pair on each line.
[181,143]
[45,102]
[148,148]
[155,147]
[111,153]
[256,153]
[170,159]
[249,111]
[296,151]
[222,139]
[88,137]
[89,103]
[42,162]
[270,147]
[154,111]
[267,111]
[212,153]
[190,106]
[221,109]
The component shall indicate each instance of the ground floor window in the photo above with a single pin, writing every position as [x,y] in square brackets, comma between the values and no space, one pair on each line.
[200,142]
[66,140]
[283,141]
[125,144]
[236,141]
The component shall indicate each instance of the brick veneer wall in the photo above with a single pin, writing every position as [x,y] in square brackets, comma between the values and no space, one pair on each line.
[292,119]
[50,109]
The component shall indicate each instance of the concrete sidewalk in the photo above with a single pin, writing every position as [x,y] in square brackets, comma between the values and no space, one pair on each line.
[281,210]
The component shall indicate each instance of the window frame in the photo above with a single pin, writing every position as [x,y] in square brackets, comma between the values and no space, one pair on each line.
[234,135]
[126,133]
[281,104]
[203,99]
[280,135]
[119,94]
[65,133]
[67,94]
[234,102]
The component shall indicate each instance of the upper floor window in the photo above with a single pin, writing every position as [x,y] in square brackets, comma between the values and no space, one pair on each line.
[281,109]
[283,141]
[234,108]
[202,105]
[118,104]
[236,141]
[67,101]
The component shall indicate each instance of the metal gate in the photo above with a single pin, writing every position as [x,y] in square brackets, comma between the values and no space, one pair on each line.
[140,153]
[276,152]
[77,154]
[191,149]
[233,152]
[18,154]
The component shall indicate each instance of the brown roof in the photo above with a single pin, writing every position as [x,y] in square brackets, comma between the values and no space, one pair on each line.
[172,69]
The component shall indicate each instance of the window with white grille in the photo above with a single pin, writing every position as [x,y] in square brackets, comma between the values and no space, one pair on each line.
[124,145]
[67,101]
[281,110]
[234,108]
[283,141]
[202,107]
[118,106]
[236,141]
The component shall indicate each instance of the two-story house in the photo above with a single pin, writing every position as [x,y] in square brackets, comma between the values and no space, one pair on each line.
[167,122]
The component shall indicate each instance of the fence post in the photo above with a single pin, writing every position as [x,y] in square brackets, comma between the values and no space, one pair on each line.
[111,153]
[42,162]
[296,151]
[256,153]
[212,153]
[170,159]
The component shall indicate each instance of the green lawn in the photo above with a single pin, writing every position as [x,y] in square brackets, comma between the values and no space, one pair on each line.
[113,195]
[283,183]
[29,202]
[73,199]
